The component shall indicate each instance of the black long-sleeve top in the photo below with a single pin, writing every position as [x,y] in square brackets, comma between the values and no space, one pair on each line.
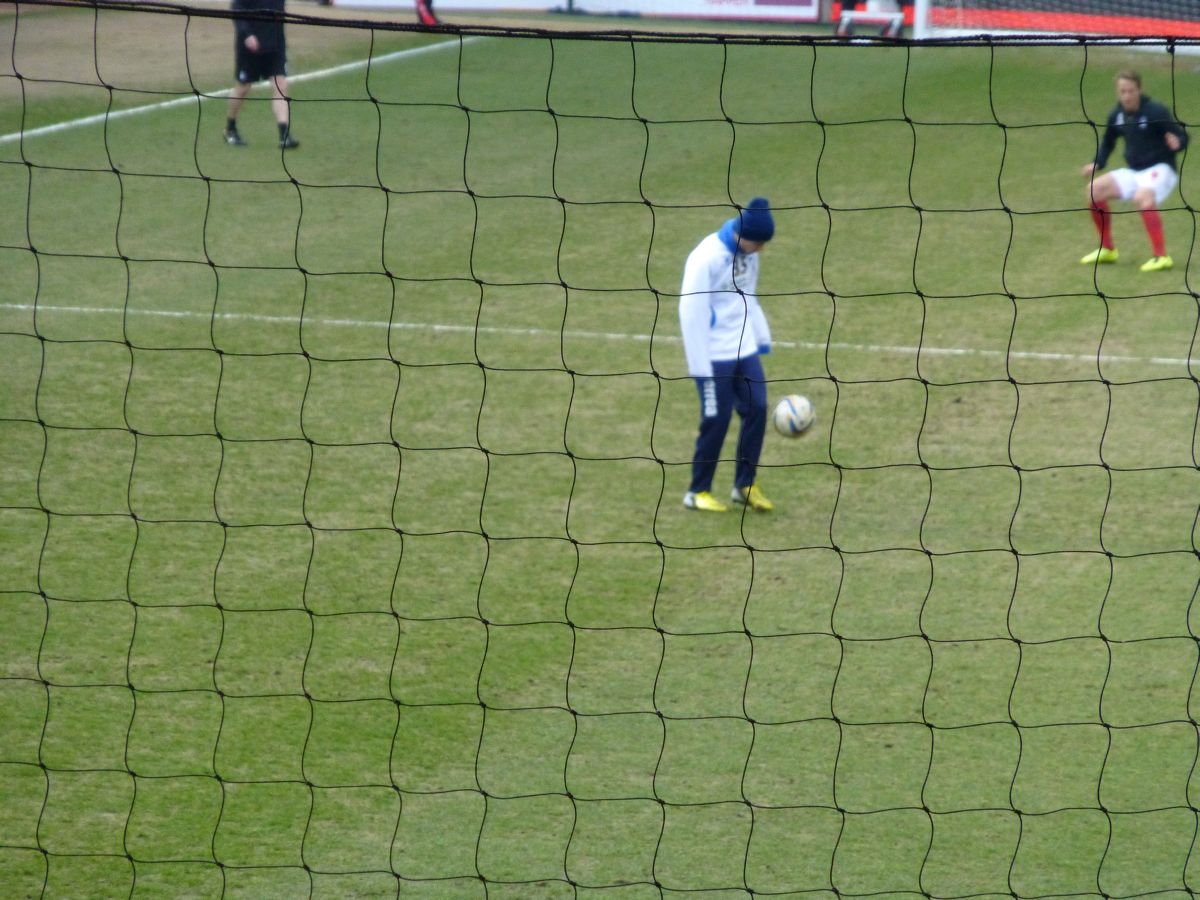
[269,34]
[1145,133]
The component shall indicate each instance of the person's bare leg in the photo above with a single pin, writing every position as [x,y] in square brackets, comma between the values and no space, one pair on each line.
[236,96]
[280,101]
[281,104]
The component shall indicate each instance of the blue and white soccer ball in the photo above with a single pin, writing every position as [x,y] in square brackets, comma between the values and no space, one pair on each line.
[793,415]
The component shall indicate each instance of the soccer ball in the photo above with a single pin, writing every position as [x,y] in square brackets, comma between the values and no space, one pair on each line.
[793,415]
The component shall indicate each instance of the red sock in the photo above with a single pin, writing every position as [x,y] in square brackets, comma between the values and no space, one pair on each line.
[425,14]
[1103,219]
[1153,222]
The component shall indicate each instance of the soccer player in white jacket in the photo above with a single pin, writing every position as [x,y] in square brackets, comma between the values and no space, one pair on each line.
[724,334]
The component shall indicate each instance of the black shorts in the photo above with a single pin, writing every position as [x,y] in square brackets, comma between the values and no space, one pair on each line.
[252,67]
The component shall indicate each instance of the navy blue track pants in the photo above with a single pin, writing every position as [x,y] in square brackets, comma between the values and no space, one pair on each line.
[737,384]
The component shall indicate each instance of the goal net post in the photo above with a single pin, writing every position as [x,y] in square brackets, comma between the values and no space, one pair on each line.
[882,16]
[1120,18]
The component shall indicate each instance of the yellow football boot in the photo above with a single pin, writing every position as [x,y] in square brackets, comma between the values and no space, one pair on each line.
[703,501]
[753,498]
[1102,255]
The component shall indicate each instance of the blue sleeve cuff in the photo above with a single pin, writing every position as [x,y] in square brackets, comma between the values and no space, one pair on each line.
[764,349]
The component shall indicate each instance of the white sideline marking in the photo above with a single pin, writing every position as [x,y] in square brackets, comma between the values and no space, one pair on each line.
[437,327]
[195,98]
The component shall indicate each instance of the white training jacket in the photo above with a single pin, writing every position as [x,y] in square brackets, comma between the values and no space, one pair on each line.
[719,312]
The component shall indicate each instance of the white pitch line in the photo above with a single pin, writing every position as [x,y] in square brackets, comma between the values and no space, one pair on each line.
[444,328]
[195,98]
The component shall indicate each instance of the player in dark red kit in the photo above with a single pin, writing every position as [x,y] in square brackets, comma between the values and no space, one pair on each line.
[1152,138]
[260,54]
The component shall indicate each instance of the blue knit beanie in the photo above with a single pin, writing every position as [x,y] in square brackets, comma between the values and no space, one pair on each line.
[755,222]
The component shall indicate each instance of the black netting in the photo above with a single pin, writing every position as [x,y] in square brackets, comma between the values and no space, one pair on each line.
[341,545]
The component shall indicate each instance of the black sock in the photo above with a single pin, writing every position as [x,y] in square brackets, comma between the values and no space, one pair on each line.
[231,124]
[283,130]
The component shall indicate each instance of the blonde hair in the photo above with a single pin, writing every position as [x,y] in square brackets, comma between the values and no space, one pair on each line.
[1130,75]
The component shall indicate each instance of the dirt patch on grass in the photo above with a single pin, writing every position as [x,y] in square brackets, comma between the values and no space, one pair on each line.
[65,51]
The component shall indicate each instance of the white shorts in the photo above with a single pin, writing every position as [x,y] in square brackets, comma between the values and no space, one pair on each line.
[1160,178]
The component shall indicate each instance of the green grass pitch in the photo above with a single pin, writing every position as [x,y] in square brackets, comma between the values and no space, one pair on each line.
[341,547]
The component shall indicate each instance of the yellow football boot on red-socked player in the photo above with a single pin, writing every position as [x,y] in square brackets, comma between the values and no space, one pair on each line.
[1100,256]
